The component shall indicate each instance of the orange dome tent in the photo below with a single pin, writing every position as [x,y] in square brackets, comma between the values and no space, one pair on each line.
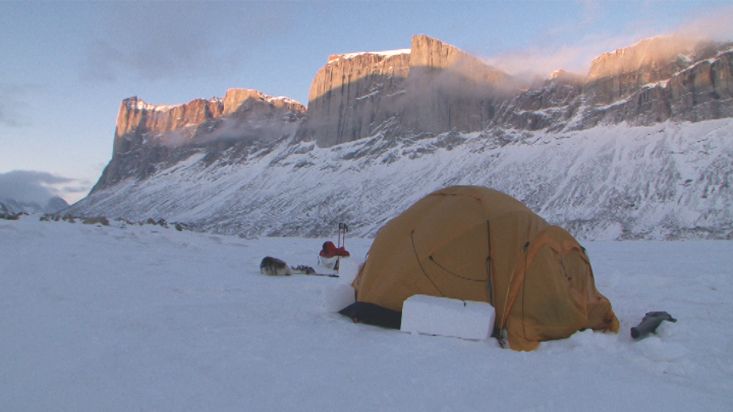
[474,243]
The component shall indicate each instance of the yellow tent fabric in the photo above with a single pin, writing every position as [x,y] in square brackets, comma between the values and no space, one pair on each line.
[474,243]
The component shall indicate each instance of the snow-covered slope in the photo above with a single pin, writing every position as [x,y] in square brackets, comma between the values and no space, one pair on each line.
[639,148]
[145,318]
[669,180]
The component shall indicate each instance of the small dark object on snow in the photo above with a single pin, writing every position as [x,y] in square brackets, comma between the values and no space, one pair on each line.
[274,267]
[304,269]
[650,323]
[182,226]
[371,314]
[97,220]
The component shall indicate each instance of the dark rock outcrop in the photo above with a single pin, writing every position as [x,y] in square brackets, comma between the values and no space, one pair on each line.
[450,90]
[656,80]
[354,94]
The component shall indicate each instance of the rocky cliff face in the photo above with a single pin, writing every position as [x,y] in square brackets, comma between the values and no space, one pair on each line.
[653,81]
[434,87]
[649,60]
[639,147]
[147,135]
[690,83]
[450,90]
[354,94]
[430,88]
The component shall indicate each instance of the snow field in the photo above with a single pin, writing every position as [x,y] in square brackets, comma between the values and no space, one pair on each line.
[147,318]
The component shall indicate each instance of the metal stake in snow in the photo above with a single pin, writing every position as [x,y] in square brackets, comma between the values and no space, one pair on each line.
[343,228]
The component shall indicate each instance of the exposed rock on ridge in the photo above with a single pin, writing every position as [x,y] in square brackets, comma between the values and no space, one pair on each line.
[431,88]
[354,94]
[385,114]
[148,134]
[657,57]
[450,90]
[622,72]
[693,86]
[653,81]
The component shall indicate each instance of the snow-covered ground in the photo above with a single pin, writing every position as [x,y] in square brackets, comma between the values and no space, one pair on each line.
[148,318]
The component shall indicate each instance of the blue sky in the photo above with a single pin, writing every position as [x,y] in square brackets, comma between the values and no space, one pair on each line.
[65,67]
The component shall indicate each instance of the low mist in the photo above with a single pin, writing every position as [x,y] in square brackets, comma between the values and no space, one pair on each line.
[28,186]
[540,61]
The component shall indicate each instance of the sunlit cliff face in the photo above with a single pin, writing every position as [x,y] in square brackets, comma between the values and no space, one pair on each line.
[646,53]
[393,66]
[345,69]
[135,114]
[428,54]
[176,124]
[432,87]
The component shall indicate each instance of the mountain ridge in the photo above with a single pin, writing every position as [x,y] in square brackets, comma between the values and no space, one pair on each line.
[373,110]
[54,204]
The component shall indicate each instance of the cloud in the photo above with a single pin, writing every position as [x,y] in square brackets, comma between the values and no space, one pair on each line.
[552,50]
[38,187]
[715,25]
[541,61]
[548,55]
[153,41]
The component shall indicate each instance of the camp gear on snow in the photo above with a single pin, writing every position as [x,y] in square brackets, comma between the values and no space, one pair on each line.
[432,315]
[328,263]
[275,267]
[330,250]
[650,323]
[330,255]
[371,314]
[474,243]
[306,270]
